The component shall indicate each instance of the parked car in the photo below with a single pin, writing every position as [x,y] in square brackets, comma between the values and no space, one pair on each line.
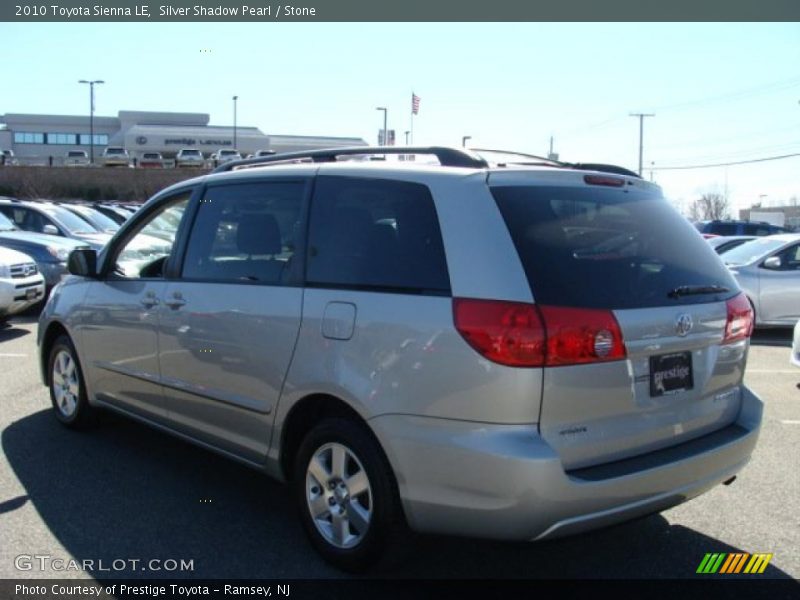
[261,153]
[93,216]
[768,270]
[225,155]
[796,345]
[115,156]
[189,157]
[21,284]
[49,252]
[43,217]
[731,227]
[723,243]
[116,213]
[76,158]
[151,160]
[507,351]
[7,159]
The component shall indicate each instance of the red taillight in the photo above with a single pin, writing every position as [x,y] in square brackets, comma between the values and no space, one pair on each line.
[509,333]
[581,335]
[739,324]
[525,335]
[603,180]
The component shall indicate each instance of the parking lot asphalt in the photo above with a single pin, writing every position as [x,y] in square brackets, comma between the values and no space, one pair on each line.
[122,491]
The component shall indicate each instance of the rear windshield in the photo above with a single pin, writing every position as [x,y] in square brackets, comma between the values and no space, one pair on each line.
[613,249]
[115,150]
[190,152]
[76,154]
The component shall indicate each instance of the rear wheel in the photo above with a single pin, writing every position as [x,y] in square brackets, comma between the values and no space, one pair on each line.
[347,495]
[67,387]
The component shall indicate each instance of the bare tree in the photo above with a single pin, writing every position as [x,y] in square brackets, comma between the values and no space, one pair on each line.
[712,205]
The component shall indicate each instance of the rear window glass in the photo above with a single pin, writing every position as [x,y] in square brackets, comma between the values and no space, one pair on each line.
[190,152]
[600,248]
[376,235]
[723,228]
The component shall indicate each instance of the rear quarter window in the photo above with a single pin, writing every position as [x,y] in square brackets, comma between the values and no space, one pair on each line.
[612,249]
[376,235]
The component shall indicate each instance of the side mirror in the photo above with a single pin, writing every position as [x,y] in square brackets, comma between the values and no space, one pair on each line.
[773,262]
[82,262]
[50,230]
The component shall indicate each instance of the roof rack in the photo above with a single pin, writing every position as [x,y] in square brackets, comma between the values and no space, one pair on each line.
[533,160]
[448,157]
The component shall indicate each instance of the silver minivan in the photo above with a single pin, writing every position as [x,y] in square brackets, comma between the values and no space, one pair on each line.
[494,350]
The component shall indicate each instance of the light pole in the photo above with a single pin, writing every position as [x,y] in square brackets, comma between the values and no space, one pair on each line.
[385,132]
[91,115]
[641,135]
[235,98]
[407,132]
[464,139]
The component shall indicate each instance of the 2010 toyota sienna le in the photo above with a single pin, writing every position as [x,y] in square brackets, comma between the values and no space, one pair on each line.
[516,349]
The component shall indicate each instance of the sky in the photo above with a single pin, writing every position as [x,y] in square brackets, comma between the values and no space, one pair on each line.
[720,93]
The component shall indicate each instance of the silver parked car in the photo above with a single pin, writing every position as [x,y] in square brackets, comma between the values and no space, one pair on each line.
[796,345]
[501,351]
[768,270]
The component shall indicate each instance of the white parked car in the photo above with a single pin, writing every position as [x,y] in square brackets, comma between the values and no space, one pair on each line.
[116,156]
[21,284]
[76,158]
[8,159]
[223,156]
[189,157]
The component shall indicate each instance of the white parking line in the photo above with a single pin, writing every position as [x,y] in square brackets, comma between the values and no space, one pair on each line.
[791,422]
[782,371]
[11,355]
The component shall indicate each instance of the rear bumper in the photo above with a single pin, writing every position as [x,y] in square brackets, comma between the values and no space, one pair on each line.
[505,482]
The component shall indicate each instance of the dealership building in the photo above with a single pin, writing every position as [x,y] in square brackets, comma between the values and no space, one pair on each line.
[36,138]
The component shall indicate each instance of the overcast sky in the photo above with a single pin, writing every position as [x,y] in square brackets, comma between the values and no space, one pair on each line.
[721,92]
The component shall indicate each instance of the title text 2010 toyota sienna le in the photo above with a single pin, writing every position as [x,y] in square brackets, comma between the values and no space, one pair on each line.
[506,351]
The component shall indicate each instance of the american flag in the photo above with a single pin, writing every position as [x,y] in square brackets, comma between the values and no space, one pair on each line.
[414,104]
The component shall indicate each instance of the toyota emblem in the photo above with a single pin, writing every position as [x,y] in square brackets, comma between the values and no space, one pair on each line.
[141,140]
[683,324]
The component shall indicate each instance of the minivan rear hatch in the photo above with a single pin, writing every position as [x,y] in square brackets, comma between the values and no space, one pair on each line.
[597,244]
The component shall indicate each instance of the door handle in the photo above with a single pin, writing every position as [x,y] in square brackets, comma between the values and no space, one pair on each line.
[176,301]
[149,300]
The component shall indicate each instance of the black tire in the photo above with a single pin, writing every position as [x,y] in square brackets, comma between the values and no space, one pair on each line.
[387,537]
[75,413]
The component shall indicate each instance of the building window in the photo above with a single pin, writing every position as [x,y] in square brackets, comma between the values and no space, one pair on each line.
[100,139]
[62,138]
[28,138]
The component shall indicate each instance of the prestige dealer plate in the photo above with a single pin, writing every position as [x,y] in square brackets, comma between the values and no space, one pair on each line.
[670,373]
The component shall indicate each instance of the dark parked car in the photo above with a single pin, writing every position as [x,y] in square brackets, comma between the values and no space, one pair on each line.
[730,227]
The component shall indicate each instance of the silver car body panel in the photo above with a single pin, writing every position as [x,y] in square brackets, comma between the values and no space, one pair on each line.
[555,450]
[775,294]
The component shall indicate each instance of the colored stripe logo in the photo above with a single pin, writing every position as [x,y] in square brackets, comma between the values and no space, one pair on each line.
[735,562]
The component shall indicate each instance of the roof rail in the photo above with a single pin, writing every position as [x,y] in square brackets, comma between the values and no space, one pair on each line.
[448,157]
[532,160]
[524,159]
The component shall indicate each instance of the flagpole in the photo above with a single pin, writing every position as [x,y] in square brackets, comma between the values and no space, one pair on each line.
[412,117]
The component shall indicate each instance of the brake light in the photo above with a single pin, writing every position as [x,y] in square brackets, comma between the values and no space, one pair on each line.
[509,333]
[525,335]
[581,335]
[603,180]
[739,324]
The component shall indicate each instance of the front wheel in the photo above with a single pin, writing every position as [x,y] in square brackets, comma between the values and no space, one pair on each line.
[347,495]
[67,387]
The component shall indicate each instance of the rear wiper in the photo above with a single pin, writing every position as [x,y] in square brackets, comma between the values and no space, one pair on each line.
[691,290]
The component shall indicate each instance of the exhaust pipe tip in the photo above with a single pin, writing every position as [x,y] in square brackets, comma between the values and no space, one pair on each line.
[729,481]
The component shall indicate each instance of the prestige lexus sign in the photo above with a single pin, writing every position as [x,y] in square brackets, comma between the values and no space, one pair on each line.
[194,142]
